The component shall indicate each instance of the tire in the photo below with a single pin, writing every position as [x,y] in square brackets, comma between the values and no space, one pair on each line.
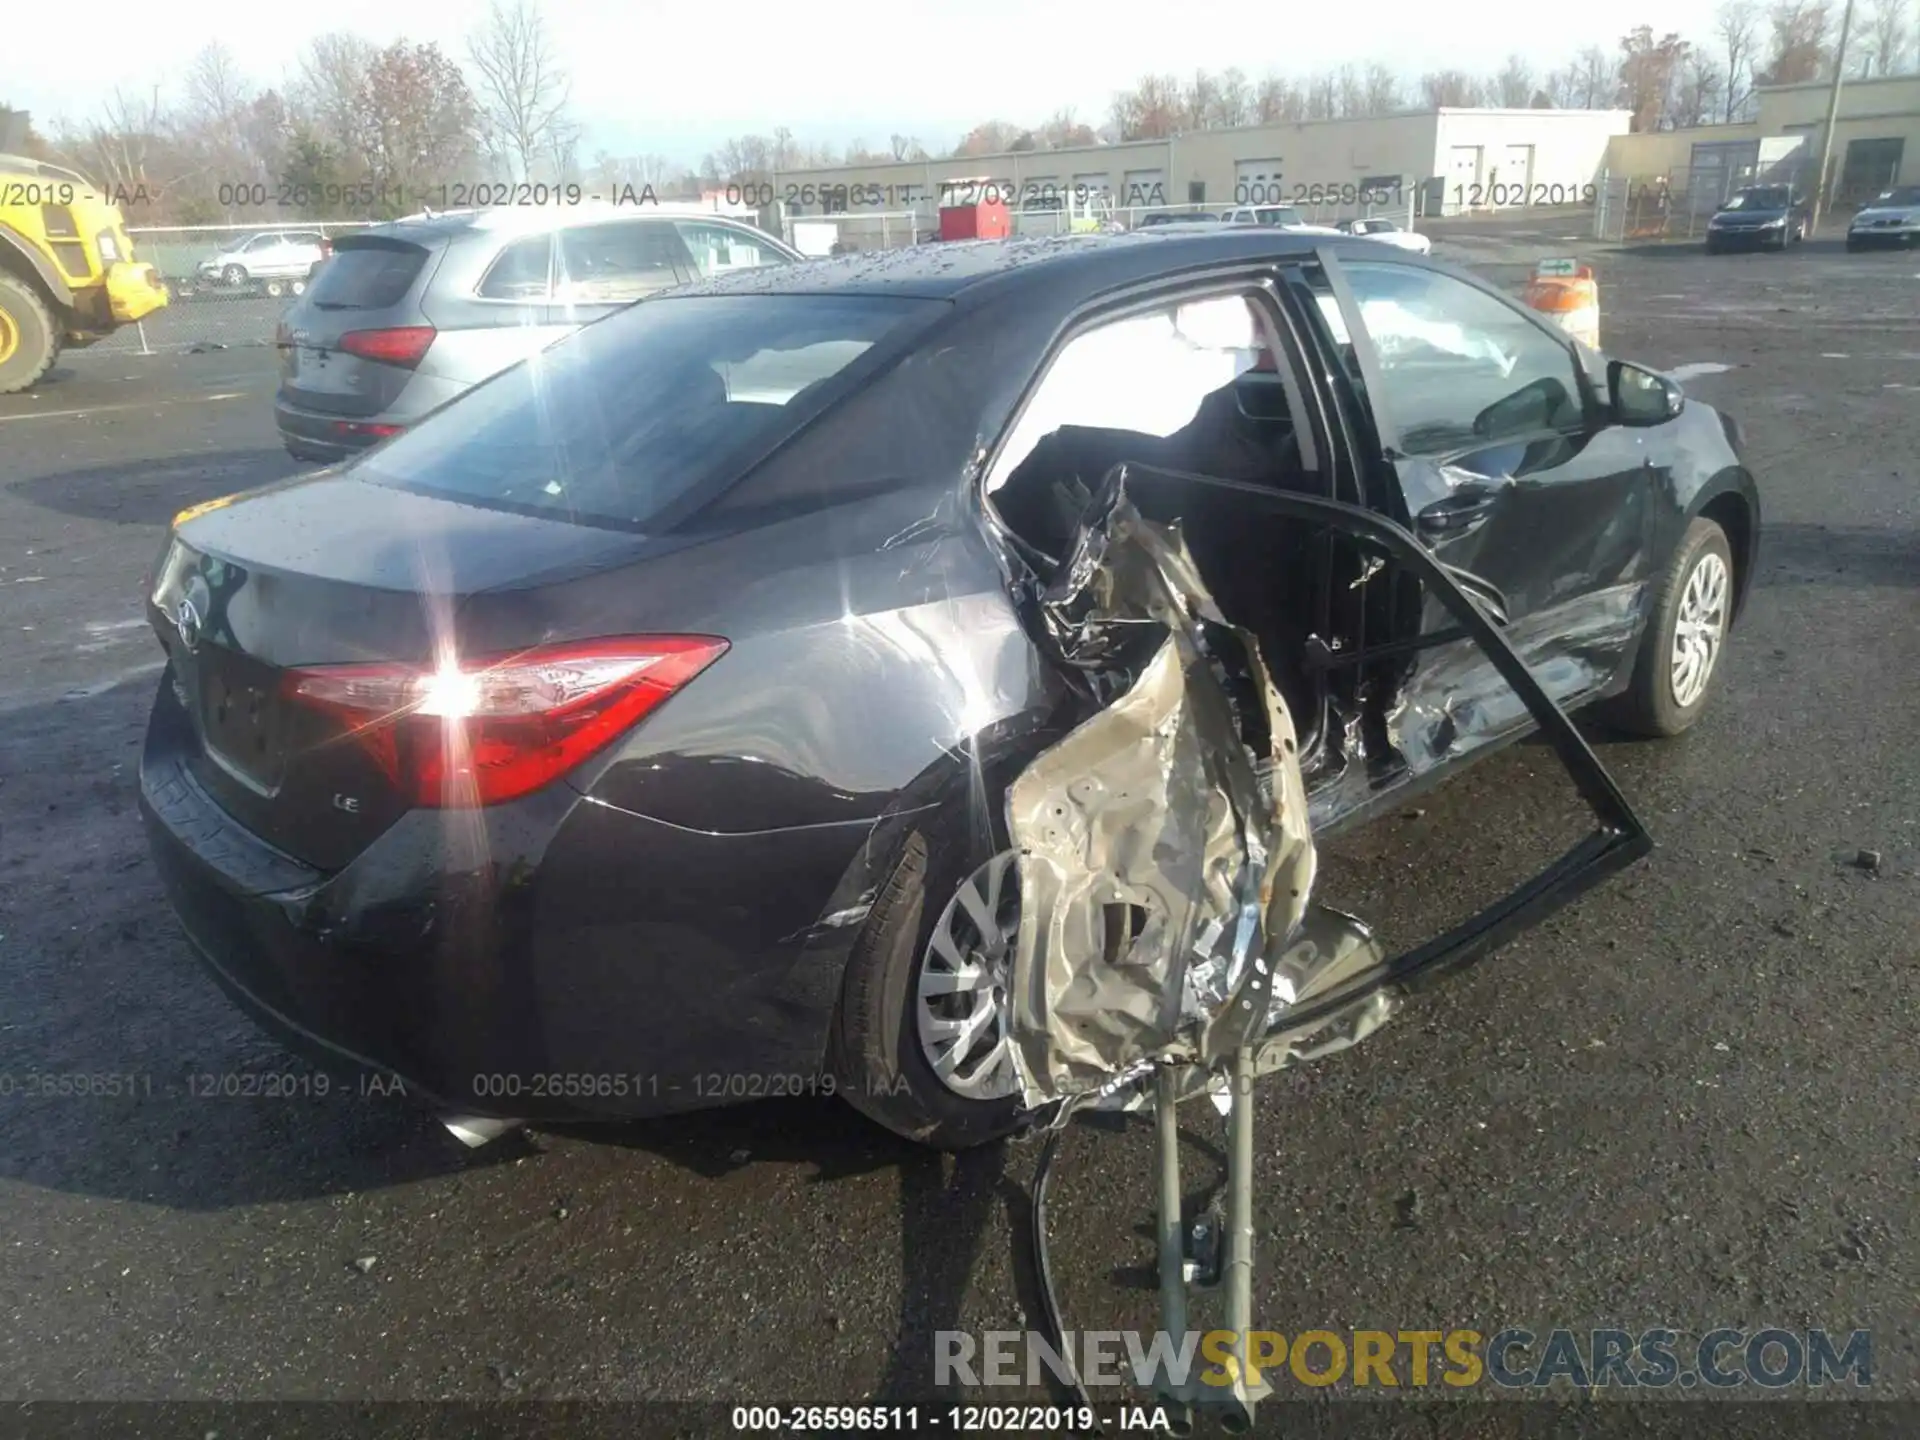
[1649,705]
[874,1050]
[29,338]
[297,288]
[274,288]
[233,275]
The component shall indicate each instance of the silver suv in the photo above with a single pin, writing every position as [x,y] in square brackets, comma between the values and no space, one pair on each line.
[407,316]
[277,260]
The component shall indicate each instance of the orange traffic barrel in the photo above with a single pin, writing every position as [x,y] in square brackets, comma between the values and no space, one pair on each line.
[1567,292]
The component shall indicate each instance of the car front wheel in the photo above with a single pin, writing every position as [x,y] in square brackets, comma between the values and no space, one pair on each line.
[233,275]
[921,1041]
[1680,652]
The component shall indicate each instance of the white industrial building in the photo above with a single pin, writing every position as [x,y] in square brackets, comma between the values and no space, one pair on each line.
[1460,158]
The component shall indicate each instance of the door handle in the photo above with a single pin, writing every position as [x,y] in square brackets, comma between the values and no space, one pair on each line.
[1460,512]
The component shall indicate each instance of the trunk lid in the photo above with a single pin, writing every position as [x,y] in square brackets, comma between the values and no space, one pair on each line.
[332,571]
[371,283]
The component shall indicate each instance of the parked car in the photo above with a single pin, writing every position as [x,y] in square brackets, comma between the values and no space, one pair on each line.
[1891,218]
[1286,217]
[278,262]
[1769,217]
[652,728]
[1178,217]
[1385,231]
[407,316]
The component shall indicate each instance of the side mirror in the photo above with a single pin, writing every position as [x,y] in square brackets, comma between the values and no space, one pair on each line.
[1640,397]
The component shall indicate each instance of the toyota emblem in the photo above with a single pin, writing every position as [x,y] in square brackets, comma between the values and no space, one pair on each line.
[186,620]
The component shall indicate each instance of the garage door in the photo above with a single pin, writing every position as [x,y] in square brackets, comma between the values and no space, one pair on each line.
[1257,182]
[1463,178]
[1507,185]
[1143,187]
[1092,185]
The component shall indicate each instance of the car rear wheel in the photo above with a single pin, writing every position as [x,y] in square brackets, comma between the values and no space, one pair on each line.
[920,1043]
[1680,653]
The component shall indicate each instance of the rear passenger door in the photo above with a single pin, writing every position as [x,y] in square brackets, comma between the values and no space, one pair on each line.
[500,318]
[601,267]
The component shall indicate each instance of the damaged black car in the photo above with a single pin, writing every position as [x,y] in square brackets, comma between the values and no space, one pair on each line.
[921,676]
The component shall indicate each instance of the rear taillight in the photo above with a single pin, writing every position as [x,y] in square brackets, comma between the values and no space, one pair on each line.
[480,732]
[401,345]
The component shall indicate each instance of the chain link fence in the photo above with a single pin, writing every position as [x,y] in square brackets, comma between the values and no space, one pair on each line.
[1677,205]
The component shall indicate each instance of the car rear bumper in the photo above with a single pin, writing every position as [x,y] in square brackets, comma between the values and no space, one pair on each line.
[336,437]
[551,959]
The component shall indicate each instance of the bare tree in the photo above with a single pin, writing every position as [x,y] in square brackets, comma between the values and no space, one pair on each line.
[1323,96]
[906,147]
[1596,78]
[1232,100]
[1696,93]
[1062,129]
[1277,98]
[1151,110]
[523,89]
[1513,87]
[117,146]
[330,79]
[1883,37]
[1380,91]
[1797,46]
[1736,25]
[1453,88]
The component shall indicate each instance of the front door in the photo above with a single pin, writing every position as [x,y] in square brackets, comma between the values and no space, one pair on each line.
[1505,467]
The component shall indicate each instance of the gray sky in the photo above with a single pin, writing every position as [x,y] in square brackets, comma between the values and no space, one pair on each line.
[676,78]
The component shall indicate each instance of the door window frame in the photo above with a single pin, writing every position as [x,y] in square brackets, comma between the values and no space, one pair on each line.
[1373,375]
[685,269]
[1326,450]
[544,298]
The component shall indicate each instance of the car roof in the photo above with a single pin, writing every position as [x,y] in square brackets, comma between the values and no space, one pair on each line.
[429,227]
[1077,265]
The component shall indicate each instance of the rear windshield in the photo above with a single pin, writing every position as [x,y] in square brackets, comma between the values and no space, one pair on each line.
[366,274]
[618,421]
[1769,199]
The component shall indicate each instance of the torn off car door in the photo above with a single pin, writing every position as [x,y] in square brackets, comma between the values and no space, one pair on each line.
[1165,857]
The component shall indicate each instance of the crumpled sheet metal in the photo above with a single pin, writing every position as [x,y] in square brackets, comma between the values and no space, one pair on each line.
[1165,870]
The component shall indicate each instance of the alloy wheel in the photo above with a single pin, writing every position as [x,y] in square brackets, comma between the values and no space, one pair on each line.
[1699,628]
[961,1006]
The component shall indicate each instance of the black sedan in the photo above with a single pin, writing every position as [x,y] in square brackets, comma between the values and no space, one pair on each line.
[642,731]
[1760,217]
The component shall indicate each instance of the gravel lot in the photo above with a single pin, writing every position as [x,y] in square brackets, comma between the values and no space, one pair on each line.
[1689,1101]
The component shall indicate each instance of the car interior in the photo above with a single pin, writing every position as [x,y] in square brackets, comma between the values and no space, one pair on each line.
[1192,388]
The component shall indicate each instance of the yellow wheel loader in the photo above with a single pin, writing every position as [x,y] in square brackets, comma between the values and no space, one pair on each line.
[67,272]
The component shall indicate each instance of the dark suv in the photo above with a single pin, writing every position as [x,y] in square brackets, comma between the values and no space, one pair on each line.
[407,316]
